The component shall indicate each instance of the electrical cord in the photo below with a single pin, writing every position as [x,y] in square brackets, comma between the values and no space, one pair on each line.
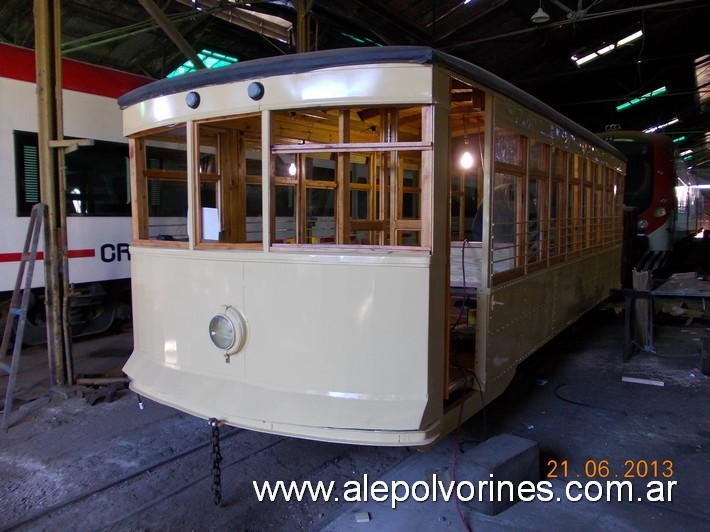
[588,405]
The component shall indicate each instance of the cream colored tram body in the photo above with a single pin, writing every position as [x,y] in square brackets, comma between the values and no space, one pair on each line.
[346,245]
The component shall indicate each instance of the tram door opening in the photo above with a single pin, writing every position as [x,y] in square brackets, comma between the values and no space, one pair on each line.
[466,124]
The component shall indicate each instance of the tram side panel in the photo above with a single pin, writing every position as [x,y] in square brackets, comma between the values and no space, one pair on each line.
[328,344]
[527,313]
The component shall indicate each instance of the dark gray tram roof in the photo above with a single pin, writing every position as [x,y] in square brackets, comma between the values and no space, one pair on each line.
[309,61]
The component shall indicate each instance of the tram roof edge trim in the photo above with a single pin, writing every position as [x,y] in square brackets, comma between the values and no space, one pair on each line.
[310,61]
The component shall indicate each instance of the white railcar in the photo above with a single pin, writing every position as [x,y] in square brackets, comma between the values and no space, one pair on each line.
[98,197]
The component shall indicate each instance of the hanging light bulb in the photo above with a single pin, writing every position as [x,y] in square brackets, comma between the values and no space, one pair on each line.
[292,169]
[466,160]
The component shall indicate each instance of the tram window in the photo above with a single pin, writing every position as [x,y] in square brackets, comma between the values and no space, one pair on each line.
[534,243]
[411,194]
[557,217]
[587,217]
[366,213]
[574,203]
[539,157]
[505,215]
[559,163]
[538,217]
[573,217]
[344,196]
[320,218]
[508,147]
[97,182]
[208,177]
[598,203]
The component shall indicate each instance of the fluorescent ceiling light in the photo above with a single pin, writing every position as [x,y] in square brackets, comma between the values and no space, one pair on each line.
[606,49]
[686,152]
[661,126]
[586,59]
[630,38]
[636,101]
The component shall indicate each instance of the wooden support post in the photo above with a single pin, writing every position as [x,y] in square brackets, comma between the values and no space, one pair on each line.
[303,26]
[49,104]
[342,214]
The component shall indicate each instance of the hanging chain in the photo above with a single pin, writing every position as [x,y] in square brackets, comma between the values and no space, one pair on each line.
[216,460]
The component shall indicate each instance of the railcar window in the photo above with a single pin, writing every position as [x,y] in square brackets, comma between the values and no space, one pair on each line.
[505,221]
[557,217]
[511,229]
[356,175]
[638,183]
[508,147]
[537,214]
[97,182]
[161,185]
[558,206]
[574,204]
[228,177]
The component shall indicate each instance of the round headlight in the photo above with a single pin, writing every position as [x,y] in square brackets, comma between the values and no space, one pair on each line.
[643,224]
[660,212]
[222,331]
[228,330]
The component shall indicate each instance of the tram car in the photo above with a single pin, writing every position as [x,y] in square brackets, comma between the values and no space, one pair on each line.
[97,201]
[319,277]
[659,188]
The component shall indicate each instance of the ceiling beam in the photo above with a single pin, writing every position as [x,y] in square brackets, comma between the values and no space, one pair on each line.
[172,32]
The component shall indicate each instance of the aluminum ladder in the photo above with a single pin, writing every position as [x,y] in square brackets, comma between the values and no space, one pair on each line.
[18,309]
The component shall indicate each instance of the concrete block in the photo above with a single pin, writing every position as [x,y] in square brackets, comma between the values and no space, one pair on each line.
[489,474]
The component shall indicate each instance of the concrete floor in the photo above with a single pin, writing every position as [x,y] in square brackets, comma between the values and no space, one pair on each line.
[65,464]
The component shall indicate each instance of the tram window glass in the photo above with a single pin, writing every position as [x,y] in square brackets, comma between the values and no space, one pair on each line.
[559,163]
[161,185]
[574,204]
[557,218]
[539,157]
[587,216]
[411,191]
[638,182]
[598,204]
[509,207]
[505,215]
[97,178]
[508,147]
[608,213]
[538,218]
[534,235]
